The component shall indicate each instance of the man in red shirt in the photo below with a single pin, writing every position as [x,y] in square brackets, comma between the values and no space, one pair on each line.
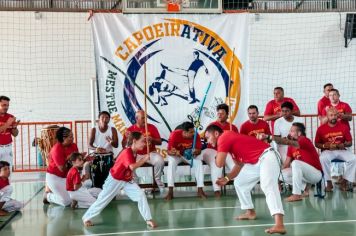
[8,128]
[254,126]
[334,139]
[344,110]
[273,109]
[179,141]
[222,112]
[324,101]
[302,165]
[208,155]
[255,161]
[154,139]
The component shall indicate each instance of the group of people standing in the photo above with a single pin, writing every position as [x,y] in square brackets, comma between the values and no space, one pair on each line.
[260,152]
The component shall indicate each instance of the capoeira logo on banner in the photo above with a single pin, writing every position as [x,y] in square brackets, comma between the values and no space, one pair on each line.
[181,58]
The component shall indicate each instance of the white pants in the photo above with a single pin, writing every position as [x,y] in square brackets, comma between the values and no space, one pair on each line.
[173,162]
[283,149]
[85,197]
[337,168]
[10,204]
[111,188]
[346,155]
[266,170]
[208,156]
[300,174]
[6,154]
[59,194]
[157,161]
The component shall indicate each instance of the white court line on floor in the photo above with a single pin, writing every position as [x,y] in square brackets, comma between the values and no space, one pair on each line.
[204,208]
[219,227]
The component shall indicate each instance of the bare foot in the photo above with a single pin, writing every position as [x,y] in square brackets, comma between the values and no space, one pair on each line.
[246,216]
[201,193]
[276,230]
[47,189]
[344,185]
[169,196]
[306,193]
[294,198]
[329,187]
[217,194]
[74,204]
[88,223]
[3,213]
[151,224]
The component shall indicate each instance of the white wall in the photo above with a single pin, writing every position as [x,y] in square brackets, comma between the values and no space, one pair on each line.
[46,64]
[301,52]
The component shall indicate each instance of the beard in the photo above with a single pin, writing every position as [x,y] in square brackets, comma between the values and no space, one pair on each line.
[333,121]
[291,138]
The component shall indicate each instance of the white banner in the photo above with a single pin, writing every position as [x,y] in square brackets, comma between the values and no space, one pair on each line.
[181,54]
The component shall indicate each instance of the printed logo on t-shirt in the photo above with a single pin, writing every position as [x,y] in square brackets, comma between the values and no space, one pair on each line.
[335,137]
[255,132]
[296,154]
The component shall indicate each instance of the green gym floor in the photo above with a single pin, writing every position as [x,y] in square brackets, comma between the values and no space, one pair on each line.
[185,215]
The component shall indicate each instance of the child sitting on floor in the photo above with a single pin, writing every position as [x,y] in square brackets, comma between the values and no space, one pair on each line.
[7,204]
[81,196]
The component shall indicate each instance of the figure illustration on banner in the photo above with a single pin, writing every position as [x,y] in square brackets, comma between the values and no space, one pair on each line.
[165,88]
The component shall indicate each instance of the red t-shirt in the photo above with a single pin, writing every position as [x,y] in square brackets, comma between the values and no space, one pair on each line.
[251,129]
[121,169]
[323,102]
[58,156]
[73,178]
[245,149]
[336,135]
[273,107]
[224,127]
[341,107]
[5,138]
[306,152]
[151,130]
[177,141]
[4,182]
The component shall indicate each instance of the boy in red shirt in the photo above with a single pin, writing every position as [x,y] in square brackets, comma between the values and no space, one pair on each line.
[81,196]
[120,178]
[7,204]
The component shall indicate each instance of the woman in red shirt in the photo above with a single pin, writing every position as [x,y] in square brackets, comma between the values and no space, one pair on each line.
[120,177]
[57,170]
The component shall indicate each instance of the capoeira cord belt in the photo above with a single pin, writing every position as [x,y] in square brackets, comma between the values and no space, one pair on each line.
[188,153]
[279,159]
